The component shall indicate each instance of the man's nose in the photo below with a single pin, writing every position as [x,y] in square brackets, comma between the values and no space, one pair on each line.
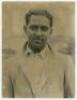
[39,31]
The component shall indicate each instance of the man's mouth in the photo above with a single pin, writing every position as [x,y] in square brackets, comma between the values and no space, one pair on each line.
[37,42]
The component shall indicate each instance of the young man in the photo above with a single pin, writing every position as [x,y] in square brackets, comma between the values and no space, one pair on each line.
[39,71]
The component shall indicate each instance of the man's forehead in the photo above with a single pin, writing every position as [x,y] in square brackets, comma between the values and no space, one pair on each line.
[39,19]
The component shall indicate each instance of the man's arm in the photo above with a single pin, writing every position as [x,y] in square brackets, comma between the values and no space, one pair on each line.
[69,78]
[7,84]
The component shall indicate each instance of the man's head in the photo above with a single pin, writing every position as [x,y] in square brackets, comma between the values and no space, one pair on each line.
[38,28]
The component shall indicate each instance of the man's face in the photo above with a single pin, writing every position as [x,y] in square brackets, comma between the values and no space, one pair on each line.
[38,31]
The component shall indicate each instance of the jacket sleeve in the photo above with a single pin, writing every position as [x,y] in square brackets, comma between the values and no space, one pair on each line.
[7,86]
[69,79]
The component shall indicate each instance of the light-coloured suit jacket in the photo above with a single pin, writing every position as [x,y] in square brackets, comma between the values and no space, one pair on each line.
[49,74]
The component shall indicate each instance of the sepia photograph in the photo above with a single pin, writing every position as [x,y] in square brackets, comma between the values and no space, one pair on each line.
[38,49]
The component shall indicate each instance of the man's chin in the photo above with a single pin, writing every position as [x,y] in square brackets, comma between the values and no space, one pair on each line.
[37,47]
[37,50]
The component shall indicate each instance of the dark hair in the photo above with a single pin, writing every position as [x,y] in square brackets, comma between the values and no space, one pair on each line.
[38,12]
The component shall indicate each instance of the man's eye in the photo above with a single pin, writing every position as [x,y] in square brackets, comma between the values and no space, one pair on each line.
[44,28]
[33,28]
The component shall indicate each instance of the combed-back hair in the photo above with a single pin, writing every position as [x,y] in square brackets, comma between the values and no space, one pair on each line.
[38,12]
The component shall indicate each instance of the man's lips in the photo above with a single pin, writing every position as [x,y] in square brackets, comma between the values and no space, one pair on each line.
[37,42]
